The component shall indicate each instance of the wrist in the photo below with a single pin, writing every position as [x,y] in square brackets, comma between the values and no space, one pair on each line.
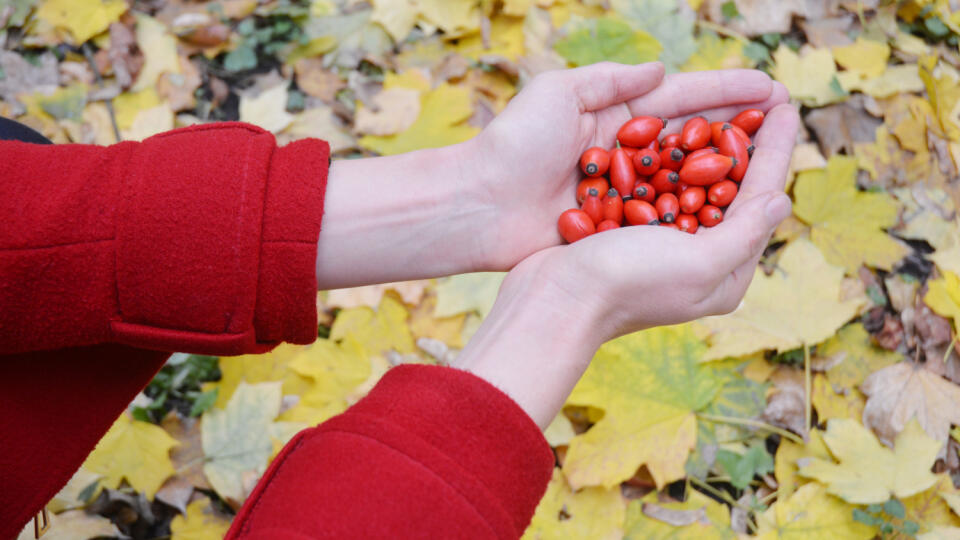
[535,343]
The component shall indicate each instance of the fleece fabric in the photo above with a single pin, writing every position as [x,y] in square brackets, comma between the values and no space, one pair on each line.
[204,240]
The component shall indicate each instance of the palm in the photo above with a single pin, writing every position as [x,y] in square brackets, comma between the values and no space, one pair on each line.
[536,142]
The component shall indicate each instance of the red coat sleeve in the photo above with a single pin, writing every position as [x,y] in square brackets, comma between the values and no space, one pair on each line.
[197,240]
[431,452]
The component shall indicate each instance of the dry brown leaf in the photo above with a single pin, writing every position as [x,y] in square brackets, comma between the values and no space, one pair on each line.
[177,89]
[840,126]
[391,111]
[316,81]
[188,457]
[677,518]
[906,390]
[787,406]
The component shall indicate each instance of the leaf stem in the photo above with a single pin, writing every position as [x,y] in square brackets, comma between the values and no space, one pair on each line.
[724,496]
[808,405]
[751,423]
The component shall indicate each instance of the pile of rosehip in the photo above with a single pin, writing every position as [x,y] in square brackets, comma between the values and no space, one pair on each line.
[683,181]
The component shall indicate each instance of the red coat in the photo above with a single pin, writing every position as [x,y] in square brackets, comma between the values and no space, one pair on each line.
[204,240]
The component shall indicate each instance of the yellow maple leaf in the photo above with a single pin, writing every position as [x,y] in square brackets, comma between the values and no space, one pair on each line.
[378,331]
[846,223]
[907,390]
[506,39]
[591,512]
[785,462]
[335,371]
[200,523]
[799,304]
[442,121]
[811,514]
[83,19]
[236,440]
[710,519]
[943,296]
[866,472]
[849,403]
[159,48]
[852,356]
[865,57]
[935,507]
[258,368]
[714,52]
[133,450]
[423,323]
[649,385]
[943,91]
[810,76]
[128,105]
[895,80]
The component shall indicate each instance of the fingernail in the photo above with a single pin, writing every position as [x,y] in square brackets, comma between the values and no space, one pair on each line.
[777,209]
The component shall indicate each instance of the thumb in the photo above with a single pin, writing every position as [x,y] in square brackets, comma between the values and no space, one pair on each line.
[744,233]
[605,84]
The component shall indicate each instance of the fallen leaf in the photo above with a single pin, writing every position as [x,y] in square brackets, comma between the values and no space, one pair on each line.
[135,451]
[596,40]
[785,462]
[236,439]
[73,525]
[697,518]
[396,110]
[850,356]
[77,493]
[898,79]
[866,472]
[658,372]
[258,368]
[591,512]
[865,57]
[159,49]
[799,304]
[666,21]
[319,122]
[467,292]
[82,19]
[846,224]
[267,110]
[932,508]
[903,391]
[378,332]
[443,112]
[200,523]
[187,456]
[335,371]
[559,432]
[810,76]
[839,127]
[943,297]
[812,513]
[714,52]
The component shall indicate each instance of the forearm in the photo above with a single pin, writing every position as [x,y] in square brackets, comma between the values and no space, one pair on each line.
[410,216]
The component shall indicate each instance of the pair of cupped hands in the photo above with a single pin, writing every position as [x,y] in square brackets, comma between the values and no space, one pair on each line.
[492,204]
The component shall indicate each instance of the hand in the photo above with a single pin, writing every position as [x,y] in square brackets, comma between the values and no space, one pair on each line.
[557,306]
[528,156]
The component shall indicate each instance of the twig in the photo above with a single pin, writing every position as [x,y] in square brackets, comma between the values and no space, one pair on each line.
[88,54]
[724,496]
[808,409]
[752,423]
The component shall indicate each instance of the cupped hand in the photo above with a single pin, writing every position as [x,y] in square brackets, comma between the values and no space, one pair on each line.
[638,277]
[528,156]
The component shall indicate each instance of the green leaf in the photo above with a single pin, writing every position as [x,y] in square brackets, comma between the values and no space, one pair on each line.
[863,517]
[895,508]
[242,58]
[203,402]
[729,10]
[936,27]
[598,40]
[742,468]
[772,40]
[663,19]
[910,528]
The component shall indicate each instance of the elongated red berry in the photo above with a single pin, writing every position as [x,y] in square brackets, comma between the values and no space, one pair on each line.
[670,141]
[665,181]
[671,158]
[622,174]
[709,215]
[575,224]
[595,161]
[731,145]
[613,206]
[692,199]
[640,212]
[706,170]
[667,207]
[695,134]
[722,193]
[749,120]
[607,225]
[585,185]
[593,206]
[688,223]
[640,131]
[646,162]
[644,192]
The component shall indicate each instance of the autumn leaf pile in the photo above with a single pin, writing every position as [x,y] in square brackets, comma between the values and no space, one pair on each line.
[826,406]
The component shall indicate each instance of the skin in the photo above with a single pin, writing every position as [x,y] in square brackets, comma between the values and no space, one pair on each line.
[491,204]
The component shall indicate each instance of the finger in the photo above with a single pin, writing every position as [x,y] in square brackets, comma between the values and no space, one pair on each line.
[768,167]
[682,94]
[605,84]
[779,96]
[743,235]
